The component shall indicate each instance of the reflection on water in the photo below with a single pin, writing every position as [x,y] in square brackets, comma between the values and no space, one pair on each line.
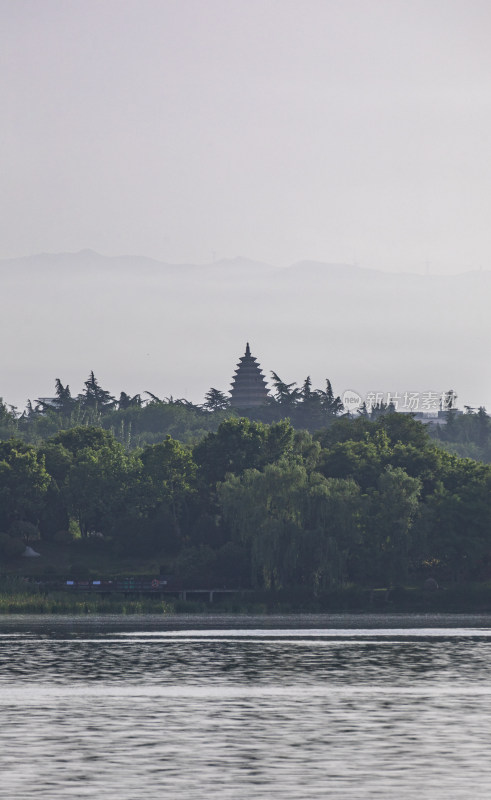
[249,712]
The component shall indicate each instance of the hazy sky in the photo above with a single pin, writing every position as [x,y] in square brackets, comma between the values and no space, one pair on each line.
[280,130]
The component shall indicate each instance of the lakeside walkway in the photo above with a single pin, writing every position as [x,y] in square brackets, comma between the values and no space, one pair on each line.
[154,588]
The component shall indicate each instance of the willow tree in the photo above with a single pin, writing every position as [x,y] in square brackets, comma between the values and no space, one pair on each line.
[264,511]
[394,508]
[335,525]
[301,528]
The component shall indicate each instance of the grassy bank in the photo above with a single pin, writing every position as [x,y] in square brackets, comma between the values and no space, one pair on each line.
[18,598]
[60,604]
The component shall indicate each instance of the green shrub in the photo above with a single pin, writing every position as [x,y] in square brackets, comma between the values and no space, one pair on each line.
[10,548]
[62,537]
[22,529]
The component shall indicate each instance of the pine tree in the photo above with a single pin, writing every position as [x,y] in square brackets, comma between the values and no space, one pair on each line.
[96,398]
[64,400]
[215,400]
[126,401]
[285,394]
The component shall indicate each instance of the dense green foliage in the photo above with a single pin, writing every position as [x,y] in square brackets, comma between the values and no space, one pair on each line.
[467,435]
[137,421]
[365,502]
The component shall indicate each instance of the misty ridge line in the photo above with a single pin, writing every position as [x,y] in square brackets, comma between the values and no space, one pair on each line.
[88,257]
[179,329]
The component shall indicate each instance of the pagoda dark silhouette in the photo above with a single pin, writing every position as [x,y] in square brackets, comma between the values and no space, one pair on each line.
[248,384]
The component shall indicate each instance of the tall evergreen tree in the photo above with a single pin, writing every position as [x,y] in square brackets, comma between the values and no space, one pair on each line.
[96,398]
[126,401]
[216,400]
[285,393]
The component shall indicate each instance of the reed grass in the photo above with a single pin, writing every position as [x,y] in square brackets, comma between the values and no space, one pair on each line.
[59,603]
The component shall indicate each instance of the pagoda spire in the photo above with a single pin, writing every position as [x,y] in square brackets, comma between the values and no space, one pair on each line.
[249,388]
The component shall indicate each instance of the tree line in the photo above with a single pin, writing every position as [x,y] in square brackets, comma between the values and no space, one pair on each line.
[363,501]
[145,418]
[141,419]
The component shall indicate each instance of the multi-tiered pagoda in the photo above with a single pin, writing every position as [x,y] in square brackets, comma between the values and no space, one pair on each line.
[248,384]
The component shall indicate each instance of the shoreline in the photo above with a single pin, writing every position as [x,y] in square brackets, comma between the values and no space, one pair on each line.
[471,604]
[472,598]
[338,623]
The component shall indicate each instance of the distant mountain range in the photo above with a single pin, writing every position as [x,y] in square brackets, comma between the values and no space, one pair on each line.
[177,329]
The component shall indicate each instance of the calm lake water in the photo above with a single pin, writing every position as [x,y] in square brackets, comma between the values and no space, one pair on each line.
[245,708]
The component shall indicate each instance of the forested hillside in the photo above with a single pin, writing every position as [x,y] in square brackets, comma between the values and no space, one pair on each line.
[146,419]
[364,502]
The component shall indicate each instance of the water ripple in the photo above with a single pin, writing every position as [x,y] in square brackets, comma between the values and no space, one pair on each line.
[248,715]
